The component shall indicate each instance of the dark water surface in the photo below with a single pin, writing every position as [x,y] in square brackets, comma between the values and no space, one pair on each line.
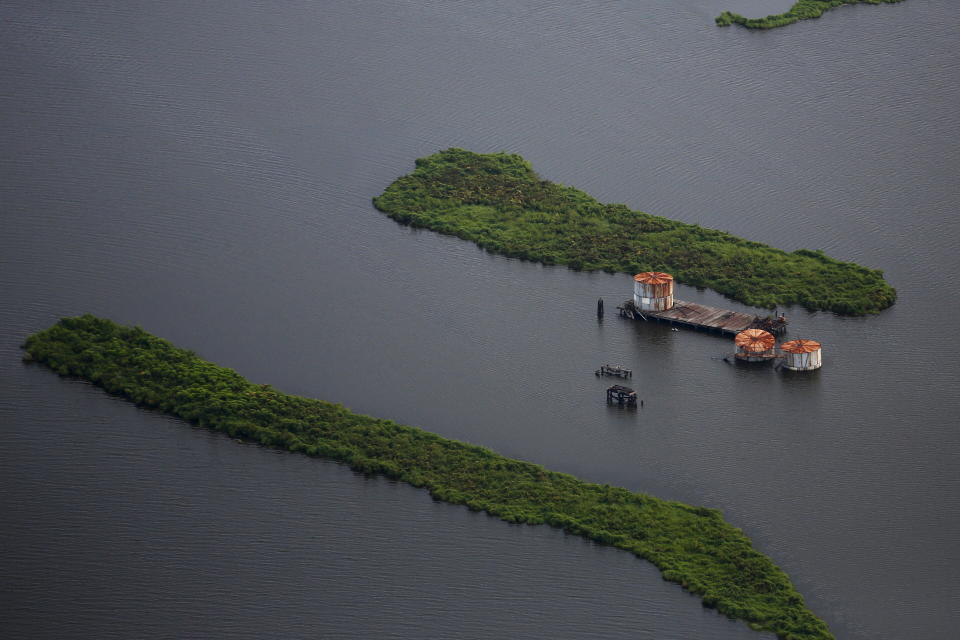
[205,170]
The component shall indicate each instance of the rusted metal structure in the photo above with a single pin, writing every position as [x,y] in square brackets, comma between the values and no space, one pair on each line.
[653,291]
[776,325]
[653,300]
[801,355]
[614,370]
[755,345]
[693,316]
[623,395]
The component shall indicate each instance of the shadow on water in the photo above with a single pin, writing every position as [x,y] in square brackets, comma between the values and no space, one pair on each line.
[623,411]
[653,333]
[801,380]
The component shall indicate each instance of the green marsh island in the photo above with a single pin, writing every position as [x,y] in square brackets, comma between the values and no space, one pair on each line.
[692,546]
[801,10]
[497,201]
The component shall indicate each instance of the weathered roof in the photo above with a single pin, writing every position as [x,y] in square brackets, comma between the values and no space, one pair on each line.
[698,315]
[755,340]
[653,277]
[800,346]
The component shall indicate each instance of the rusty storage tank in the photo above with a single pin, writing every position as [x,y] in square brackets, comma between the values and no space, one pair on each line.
[653,291]
[755,345]
[801,355]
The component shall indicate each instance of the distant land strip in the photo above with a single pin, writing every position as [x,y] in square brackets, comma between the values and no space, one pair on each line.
[692,546]
[497,201]
[801,10]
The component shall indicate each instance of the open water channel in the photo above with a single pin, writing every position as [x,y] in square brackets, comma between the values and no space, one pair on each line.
[205,170]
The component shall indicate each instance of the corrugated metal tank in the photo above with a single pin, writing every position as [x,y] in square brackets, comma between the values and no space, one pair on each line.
[755,345]
[653,291]
[801,355]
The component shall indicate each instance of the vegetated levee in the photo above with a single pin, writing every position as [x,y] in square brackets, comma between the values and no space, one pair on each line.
[692,546]
[497,201]
[801,10]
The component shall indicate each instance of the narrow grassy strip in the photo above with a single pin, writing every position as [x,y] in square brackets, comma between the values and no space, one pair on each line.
[692,546]
[801,10]
[497,201]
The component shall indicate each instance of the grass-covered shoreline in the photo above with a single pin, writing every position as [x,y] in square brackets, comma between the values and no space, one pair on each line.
[801,10]
[497,201]
[692,546]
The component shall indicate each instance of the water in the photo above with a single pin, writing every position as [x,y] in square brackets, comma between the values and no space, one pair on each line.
[206,170]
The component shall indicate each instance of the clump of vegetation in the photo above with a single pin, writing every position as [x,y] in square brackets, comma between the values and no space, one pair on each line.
[497,201]
[801,10]
[692,546]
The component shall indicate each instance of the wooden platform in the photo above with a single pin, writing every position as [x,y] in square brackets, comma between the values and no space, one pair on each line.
[696,316]
[614,370]
[623,395]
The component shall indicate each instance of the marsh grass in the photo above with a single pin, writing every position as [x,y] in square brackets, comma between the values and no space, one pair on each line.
[497,201]
[801,10]
[692,546]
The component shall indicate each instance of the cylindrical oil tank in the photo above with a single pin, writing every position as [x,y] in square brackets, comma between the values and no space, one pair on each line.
[801,355]
[653,291]
[755,345]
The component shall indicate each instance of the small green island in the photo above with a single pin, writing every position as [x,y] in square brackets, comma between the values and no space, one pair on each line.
[497,201]
[801,10]
[692,546]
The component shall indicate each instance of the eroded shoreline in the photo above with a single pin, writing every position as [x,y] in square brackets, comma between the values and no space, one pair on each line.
[497,201]
[692,546]
[801,10]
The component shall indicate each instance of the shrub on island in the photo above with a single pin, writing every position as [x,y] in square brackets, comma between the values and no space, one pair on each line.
[801,10]
[692,546]
[497,201]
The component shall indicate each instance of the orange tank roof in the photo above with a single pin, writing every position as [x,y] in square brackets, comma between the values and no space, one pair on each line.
[755,340]
[653,277]
[800,346]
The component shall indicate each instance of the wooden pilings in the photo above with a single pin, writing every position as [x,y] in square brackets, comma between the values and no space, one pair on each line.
[614,370]
[697,316]
[622,395]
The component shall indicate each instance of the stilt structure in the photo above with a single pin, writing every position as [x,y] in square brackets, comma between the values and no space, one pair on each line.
[622,395]
[614,370]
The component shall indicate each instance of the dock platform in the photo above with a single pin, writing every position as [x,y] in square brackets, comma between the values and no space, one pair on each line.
[622,395]
[614,370]
[699,316]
